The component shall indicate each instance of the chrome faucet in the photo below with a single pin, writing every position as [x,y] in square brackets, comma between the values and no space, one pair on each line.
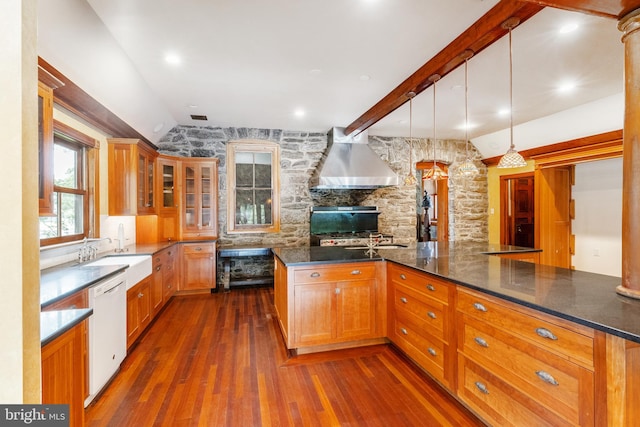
[88,252]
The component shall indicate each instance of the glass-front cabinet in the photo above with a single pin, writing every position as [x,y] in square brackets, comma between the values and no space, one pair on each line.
[199,199]
[167,198]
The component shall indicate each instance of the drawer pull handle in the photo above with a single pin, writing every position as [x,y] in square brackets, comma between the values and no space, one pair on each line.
[315,274]
[545,333]
[432,352]
[431,314]
[355,272]
[481,342]
[483,388]
[404,331]
[431,287]
[158,268]
[140,295]
[403,277]
[403,300]
[479,307]
[546,377]
[198,248]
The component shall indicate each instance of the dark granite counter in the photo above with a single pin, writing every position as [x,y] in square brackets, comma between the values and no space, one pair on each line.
[585,298]
[60,282]
[55,323]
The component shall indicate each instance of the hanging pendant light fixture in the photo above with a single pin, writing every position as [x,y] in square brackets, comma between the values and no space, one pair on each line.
[467,168]
[435,172]
[410,179]
[511,159]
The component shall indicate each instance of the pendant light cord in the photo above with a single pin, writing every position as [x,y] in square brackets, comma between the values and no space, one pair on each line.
[512,146]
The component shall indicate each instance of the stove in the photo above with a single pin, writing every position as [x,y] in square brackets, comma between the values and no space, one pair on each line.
[345,226]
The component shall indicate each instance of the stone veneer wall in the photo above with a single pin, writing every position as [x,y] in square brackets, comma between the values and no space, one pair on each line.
[300,153]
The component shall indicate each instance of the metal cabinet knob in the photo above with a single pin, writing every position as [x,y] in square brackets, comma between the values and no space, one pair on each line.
[404,331]
[403,300]
[479,307]
[403,277]
[315,274]
[355,272]
[547,378]
[432,352]
[545,333]
[483,388]
[481,342]
[431,287]
[431,314]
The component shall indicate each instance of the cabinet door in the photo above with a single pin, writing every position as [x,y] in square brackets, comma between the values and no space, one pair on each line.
[138,310]
[314,313]
[198,266]
[157,289]
[200,182]
[131,177]
[355,309]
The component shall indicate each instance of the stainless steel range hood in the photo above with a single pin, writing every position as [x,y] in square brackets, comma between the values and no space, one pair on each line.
[349,163]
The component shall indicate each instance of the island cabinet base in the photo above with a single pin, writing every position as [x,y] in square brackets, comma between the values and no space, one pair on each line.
[323,307]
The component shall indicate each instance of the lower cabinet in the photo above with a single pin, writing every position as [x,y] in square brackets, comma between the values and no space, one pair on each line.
[330,304]
[163,279]
[139,308]
[64,374]
[198,266]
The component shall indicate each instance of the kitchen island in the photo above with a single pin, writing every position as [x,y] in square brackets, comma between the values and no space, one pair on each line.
[518,342]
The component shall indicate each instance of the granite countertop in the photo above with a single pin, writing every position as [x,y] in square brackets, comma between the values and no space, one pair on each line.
[55,323]
[585,298]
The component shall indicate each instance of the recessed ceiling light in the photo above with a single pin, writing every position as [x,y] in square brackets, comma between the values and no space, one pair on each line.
[315,71]
[299,113]
[365,77]
[568,28]
[172,58]
[567,87]
[504,111]
[158,127]
[192,106]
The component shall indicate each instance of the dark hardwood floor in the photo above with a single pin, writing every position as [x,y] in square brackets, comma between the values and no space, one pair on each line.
[220,360]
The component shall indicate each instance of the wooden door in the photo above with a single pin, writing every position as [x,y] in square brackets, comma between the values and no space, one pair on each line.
[517,210]
[314,313]
[553,215]
[355,308]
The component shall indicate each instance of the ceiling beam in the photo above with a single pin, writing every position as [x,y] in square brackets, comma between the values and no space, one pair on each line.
[607,8]
[480,35]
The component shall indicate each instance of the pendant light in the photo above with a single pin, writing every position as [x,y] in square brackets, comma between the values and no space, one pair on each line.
[511,159]
[467,168]
[435,172]
[410,179]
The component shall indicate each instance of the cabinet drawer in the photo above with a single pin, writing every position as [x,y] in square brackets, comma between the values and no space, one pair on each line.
[424,313]
[424,283]
[563,387]
[198,248]
[354,271]
[497,402]
[533,326]
[427,352]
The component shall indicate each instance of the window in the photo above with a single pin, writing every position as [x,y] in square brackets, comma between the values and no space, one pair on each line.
[253,177]
[73,158]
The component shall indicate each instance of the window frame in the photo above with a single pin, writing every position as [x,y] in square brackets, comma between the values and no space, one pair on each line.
[253,146]
[87,176]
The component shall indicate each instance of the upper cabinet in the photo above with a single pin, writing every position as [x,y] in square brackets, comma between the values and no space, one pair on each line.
[199,198]
[131,177]
[253,182]
[46,84]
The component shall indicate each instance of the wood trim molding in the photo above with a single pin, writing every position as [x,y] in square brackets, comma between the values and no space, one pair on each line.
[67,132]
[476,38]
[69,96]
[595,147]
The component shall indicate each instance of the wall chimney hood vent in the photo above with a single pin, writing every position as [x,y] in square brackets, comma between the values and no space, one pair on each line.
[349,163]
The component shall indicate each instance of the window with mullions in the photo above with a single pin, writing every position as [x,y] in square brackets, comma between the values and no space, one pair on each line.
[69,220]
[253,178]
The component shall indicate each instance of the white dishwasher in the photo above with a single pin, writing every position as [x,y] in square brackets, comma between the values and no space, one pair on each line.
[107,331]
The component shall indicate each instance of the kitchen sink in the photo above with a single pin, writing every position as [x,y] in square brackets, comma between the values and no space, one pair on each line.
[377,247]
[139,266]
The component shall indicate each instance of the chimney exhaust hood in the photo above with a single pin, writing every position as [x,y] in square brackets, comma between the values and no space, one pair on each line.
[349,163]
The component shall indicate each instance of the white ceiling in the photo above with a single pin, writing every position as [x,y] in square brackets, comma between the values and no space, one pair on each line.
[253,63]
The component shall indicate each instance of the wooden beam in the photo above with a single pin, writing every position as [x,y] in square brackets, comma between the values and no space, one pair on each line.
[480,35]
[74,99]
[607,8]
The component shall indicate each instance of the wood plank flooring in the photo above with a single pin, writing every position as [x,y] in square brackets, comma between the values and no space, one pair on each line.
[220,360]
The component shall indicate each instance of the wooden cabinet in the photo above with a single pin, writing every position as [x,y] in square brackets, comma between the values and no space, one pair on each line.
[199,198]
[168,193]
[520,367]
[163,279]
[157,290]
[198,266]
[420,317]
[532,257]
[64,377]
[131,177]
[169,274]
[329,304]
[78,299]
[138,309]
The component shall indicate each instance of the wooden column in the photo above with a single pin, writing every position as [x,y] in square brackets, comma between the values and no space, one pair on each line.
[630,26]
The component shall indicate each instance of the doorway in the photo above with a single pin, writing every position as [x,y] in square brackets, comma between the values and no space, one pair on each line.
[517,207]
[433,217]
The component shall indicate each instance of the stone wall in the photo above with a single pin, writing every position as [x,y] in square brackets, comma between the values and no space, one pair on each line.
[300,152]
